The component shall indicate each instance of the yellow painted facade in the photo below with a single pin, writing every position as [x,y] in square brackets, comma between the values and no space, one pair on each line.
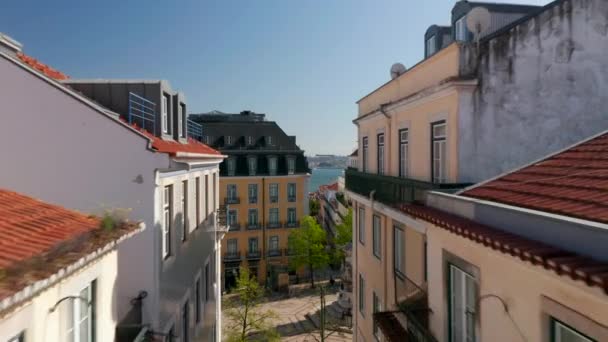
[264,204]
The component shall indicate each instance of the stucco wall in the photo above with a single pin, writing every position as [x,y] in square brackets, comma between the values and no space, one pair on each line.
[34,318]
[542,87]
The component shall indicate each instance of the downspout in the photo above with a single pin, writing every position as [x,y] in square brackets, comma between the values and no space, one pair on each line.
[387,139]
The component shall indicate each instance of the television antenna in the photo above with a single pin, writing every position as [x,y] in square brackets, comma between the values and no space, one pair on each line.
[397,69]
[478,22]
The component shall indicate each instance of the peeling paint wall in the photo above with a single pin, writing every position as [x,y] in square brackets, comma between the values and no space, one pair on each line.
[542,87]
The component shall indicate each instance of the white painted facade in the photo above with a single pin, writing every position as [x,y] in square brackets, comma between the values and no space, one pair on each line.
[92,162]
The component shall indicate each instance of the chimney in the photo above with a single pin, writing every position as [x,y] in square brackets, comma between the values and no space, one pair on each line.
[9,45]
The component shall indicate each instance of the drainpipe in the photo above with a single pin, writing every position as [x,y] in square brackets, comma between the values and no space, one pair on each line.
[388,135]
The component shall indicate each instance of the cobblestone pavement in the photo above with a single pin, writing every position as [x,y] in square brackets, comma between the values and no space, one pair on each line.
[291,321]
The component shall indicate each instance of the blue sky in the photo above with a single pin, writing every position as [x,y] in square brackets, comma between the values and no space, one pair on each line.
[304,63]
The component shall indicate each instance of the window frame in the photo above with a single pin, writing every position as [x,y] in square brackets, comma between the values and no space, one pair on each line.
[399,268]
[289,215]
[403,150]
[451,266]
[185,317]
[184,118]
[272,211]
[460,26]
[292,192]
[270,241]
[377,236]
[207,274]
[431,45]
[232,194]
[236,217]
[361,225]
[74,306]
[380,160]
[235,241]
[361,289]
[197,300]
[376,307]
[184,203]
[231,166]
[291,166]
[256,244]
[252,193]
[197,184]
[167,220]
[273,188]
[165,112]
[252,165]
[443,159]
[249,216]
[272,165]
[364,153]
[555,322]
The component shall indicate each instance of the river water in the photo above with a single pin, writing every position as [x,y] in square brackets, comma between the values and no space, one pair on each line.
[323,176]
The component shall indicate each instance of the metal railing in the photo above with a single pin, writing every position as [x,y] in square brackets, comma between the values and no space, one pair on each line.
[291,198]
[253,200]
[232,200]
[292,224]
[274,199]
[254,254]
[228,256]
[274,225]
[234,227]
[392,190]
[253,226]
[195,130]
[142,112]
[275,253]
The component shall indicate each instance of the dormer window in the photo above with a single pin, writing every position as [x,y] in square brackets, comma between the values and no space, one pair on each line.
[250,140]
[183,116]
[231,166]
[431,46]
[228,140]
[165,113]
[180,123]
[460,29]
[269,140]
[291,165]
[272,165]
[252,163]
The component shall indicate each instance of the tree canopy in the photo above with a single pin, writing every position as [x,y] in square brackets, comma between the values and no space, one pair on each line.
[307,245]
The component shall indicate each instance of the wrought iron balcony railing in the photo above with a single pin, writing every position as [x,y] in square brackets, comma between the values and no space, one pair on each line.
[232,200]
[253,200]
[254,254]
[274,225]
[410,315]
[288,252]
[275,253]
[234,227]
[232,256]
[292,224]
[392,190]
[253,226]
[291,198]
[274,199]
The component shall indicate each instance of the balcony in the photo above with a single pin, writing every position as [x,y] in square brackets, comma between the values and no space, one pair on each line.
[274,225]
[234,227]
[253,200]
[253,226]
[291,198]
[393,190]
[232,200]
[410,318]
[142,113]
[254,255]
[292,224]
[275,253]
[232,256]
[217,221]
[274,199]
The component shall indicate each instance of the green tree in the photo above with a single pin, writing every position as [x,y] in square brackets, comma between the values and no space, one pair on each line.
[344,236]
[314,207]
[245,321]
[308,247]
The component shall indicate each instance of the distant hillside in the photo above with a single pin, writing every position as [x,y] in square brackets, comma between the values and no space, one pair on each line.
[327,161]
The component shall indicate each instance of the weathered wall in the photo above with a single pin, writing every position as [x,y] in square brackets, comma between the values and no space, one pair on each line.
[542,87]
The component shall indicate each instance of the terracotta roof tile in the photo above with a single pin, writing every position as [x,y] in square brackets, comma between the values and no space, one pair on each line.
[564,263]
[572,183]
[43,68]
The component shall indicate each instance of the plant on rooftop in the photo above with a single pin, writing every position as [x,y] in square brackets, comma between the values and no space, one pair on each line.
[112,218]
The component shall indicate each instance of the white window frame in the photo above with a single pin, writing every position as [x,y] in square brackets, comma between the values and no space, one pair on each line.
[273,192]
[403,152]
[270,140]
[250,140]
[197,194]
[184,118]
[74,306]
[291,166]
[180,124]
[291,190]
[165,113]
[557,327]
[273,215]
[376,307]
[252,193]
[232,191]
[252,163]
[431,45]
[291,215]
[228,140]
[250,216]
[467,310]
[377,236]
[167,220]
[439,150]
[399,251]
[380,154]
[364,153]
[184,202]
[361,225]
[231,166]
[272,165]
[460,29]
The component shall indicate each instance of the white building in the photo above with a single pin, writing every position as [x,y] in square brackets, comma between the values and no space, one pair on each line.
[59,285]
[85,151]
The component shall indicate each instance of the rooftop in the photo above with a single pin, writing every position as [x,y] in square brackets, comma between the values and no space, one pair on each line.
[572,182]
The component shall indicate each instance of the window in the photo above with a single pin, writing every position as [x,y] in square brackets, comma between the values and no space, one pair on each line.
[232,217]
[291,215]
[274,243]
[274,215]
[228,140]
[431,46]
[184,210]
[207,282]
[291,166]
[272,165]
[462,305]
[291,192]
[253,245]
[231,191]
[167,218]
[274,192]
[180,122]
[438,151]
[377,307]
[560,332]
[253,217]
[460,29]
[250,140]
[253,193]
[231,247]
[19,338]
[269,140]
[231,166]
[376,236]
[362,226]
[197,300]
[364,154]
[198,201]
[361,295]
[184,118]
[185,323]
[399,251]
[206,195]
[252,162]
[381,154]
[403,152]
[213,190]
[77,316]
[165,113]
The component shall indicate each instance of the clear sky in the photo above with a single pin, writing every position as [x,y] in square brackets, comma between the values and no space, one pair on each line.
[302,62]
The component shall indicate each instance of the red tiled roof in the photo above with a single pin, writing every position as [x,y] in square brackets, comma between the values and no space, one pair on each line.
[30,227]
[576,266]
[330,187]
[172,147]
[572,183]
[43,68]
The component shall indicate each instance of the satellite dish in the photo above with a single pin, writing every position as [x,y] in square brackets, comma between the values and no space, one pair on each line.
[478,21]
[397,69]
